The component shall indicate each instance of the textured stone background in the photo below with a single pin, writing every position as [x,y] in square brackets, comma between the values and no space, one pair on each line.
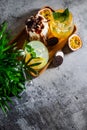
[57,99]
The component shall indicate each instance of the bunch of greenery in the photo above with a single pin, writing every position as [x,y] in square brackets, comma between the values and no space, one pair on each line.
[13,72]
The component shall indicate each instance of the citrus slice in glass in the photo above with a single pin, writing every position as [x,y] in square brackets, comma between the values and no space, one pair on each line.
[74,42]
[42,54]
[41,62]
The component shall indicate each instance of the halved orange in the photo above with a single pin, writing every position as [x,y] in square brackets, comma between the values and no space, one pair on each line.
[46,12]
[74,42]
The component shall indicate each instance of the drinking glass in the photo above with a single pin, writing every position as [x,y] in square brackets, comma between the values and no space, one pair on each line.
[62,28]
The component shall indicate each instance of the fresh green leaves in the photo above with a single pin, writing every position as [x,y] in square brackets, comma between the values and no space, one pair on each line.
[13,69]
[30,50]
[3,28]
[12,80]
[61,16]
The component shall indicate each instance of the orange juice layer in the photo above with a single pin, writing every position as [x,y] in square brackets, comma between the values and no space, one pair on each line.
[61,29]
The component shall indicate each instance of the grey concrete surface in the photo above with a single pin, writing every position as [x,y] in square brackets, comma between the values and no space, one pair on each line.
[57,99]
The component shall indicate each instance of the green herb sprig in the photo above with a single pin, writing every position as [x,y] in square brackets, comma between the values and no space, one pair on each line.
[61,16]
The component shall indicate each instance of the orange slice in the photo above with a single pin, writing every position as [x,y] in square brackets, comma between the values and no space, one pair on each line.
[74,42]
[46,12]
[40,60]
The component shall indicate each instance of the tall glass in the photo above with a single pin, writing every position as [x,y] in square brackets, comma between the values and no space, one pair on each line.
[62,29]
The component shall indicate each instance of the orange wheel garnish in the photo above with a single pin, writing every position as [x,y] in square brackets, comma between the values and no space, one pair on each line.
[74,42]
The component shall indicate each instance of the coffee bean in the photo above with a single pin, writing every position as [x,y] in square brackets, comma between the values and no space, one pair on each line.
[52,41]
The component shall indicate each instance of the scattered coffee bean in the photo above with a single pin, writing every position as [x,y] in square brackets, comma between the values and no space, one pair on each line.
[52,41]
